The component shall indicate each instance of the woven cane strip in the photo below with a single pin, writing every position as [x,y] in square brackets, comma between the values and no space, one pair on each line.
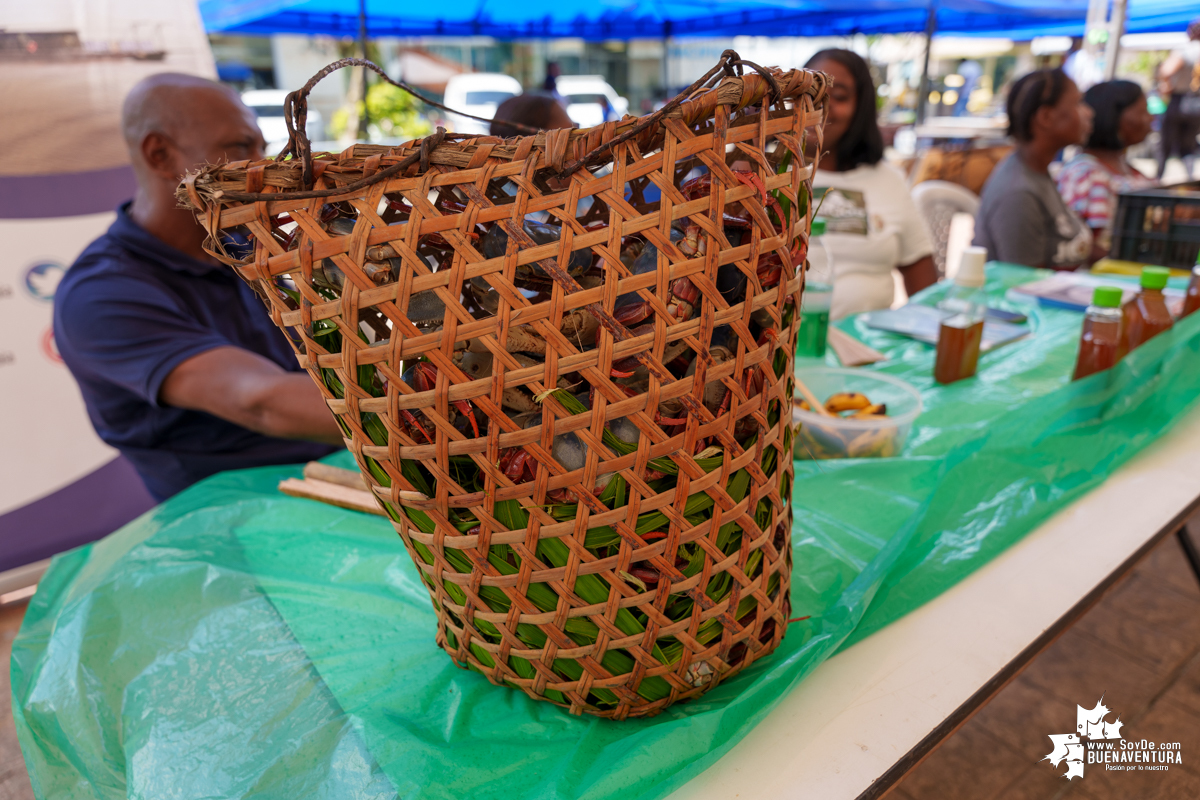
[616,538]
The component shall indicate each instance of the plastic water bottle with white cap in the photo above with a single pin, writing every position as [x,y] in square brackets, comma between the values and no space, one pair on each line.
[962,329]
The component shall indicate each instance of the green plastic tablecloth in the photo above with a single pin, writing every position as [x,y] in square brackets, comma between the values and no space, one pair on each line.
[234,642]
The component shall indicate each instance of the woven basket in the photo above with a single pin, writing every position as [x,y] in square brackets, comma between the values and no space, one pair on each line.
[584,444]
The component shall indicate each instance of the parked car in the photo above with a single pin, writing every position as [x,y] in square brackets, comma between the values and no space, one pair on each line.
[477,93]
[583,93]
[268,105]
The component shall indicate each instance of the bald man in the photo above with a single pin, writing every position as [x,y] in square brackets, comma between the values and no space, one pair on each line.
[180,367]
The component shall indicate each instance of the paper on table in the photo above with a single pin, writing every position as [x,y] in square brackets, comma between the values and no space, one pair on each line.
[1073,291]
[923,323]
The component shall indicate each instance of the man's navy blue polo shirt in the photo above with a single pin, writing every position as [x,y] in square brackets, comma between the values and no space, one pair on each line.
[129,311]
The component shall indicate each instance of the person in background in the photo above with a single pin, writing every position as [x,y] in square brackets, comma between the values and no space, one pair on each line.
[550,84]
[1022,219]
[179,364]
[539,111]
[873,225]
[1179,77]
[1091,181]
[971,71]
[607,112]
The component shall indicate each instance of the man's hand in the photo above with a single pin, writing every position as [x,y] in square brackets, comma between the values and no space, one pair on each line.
[252,391]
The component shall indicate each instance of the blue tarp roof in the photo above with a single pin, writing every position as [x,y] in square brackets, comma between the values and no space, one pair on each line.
[599,20]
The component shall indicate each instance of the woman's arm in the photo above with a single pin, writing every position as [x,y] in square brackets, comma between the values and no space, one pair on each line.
[919,275]
[1097,252]
[1018,227]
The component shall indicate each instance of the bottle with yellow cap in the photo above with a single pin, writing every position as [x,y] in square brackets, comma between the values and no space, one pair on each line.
[1100,342]
[1146,315]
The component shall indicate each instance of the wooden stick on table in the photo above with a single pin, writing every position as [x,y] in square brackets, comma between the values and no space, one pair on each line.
[351,479]
[339,487]
[816,404]
[332,493]
[850,351]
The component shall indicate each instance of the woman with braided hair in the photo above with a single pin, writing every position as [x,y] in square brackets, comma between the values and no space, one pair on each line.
[1022,219]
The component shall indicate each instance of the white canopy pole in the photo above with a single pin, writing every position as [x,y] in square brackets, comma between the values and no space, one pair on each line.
[1116,29]
[923,91]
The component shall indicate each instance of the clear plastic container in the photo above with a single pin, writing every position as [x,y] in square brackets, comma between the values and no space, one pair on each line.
[820,437]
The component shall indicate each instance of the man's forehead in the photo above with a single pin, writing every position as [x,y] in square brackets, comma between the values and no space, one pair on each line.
[215,107]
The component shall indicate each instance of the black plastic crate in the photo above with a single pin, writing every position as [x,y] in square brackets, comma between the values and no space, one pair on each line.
[1159,226]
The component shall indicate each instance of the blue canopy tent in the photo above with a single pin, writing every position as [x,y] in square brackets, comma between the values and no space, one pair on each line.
[636,19]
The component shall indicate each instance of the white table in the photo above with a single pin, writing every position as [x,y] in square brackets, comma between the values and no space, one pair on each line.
[868,715]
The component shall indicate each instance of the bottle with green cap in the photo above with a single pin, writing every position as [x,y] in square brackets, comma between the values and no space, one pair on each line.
[818,296]
[1100,342]
[1191,301]
[1146,315]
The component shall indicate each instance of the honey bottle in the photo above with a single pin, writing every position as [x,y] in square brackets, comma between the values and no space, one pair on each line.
[1191,301]
[1100,341]
[1146,315]
[961,332]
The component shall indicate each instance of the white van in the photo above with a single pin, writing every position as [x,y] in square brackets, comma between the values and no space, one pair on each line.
[582,94]
[267,104]
[477,93]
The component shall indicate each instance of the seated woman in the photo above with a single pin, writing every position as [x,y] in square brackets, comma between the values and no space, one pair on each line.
[1090,182]
[1022,219]
[873,224]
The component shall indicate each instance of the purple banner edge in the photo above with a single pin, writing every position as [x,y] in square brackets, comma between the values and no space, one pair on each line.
[67,194]
[81,512]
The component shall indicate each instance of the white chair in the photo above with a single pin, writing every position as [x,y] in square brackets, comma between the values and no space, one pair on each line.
[962,233]
[938,202]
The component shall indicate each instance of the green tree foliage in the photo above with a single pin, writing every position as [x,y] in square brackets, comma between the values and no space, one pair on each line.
[392,113]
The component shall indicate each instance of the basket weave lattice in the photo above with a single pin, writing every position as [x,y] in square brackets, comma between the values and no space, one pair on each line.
[622,543]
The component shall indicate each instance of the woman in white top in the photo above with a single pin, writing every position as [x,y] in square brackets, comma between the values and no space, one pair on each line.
[873,226]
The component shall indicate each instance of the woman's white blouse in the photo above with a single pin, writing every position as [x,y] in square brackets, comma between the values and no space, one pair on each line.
[873,227]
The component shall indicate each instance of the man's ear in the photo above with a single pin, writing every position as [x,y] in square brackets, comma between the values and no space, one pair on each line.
[160,155]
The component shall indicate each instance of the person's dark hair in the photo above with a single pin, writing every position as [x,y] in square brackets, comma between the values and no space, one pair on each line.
[1109,100]
[535,110]
[862,143]
[550,84]
[1043,87]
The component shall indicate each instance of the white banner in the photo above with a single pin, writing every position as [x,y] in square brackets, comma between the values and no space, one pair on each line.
[44,431]
[65,68]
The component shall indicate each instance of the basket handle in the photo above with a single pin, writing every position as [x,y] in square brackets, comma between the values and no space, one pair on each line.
[295,112]
[727,63]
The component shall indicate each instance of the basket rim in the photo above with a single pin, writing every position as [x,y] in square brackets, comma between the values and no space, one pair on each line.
[200,187]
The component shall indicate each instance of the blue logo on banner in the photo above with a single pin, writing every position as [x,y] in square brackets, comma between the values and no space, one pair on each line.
[41,280]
